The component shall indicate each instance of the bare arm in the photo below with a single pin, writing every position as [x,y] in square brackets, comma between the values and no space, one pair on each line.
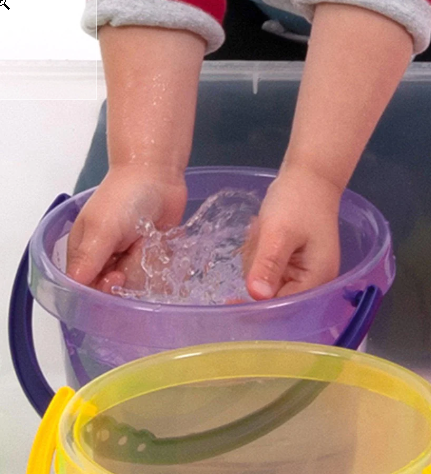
[356,59]
[152,79]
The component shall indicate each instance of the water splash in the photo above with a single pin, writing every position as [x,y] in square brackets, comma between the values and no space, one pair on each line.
[198,263]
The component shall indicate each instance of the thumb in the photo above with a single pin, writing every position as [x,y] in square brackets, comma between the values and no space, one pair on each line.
[88,250]
[272,254]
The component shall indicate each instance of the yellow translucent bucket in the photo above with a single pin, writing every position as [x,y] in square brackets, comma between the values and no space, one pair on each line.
[255,408]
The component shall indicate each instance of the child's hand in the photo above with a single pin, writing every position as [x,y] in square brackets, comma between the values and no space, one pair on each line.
[104,246]
[355,60]
[152,79]
[294,243]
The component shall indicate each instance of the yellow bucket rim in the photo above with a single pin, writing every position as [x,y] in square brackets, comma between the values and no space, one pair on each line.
[306,361]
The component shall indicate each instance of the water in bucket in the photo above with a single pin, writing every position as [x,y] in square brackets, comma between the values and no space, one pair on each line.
[200,262]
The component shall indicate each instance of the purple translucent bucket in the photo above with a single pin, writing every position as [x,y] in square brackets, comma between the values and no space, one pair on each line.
[102,331]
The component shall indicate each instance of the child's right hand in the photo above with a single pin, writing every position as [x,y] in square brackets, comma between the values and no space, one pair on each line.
[104,246]
[152,78]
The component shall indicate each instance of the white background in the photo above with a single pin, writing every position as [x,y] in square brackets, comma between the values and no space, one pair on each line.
[45,29]
[43,146]
[36,30]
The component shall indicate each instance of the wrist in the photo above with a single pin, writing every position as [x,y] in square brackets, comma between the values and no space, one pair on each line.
[154,157]
[324,170]
[311,185]
[158,172]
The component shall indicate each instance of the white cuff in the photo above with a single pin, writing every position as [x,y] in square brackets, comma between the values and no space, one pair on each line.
[161,13]
[414,15]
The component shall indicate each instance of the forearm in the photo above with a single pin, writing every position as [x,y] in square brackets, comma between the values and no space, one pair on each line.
[355,61]
[152,78]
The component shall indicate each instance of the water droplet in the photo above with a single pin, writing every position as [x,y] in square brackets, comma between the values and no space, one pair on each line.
[141,448]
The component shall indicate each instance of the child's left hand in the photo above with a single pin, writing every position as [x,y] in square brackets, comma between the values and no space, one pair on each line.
[294,243]
[355,60]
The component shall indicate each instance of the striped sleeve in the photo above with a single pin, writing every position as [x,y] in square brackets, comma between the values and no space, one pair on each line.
[414,15]
[202,17]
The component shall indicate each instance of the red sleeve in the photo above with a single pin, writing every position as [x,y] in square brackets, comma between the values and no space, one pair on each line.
[215,8]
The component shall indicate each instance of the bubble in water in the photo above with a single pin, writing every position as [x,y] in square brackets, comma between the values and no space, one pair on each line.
[200,262]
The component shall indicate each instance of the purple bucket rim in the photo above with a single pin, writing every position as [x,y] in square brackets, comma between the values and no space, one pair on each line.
[59,279]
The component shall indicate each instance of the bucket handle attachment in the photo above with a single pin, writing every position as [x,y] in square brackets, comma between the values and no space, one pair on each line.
[367,303]
[21,343]
[23,353]
[44,443]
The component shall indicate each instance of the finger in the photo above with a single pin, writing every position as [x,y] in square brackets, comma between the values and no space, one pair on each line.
[131,266]
[236,301]
[322,266]
[248,250]
[273,251]
[89,249]
[113,278]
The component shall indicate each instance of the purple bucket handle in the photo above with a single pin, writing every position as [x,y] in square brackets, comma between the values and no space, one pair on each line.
[21,343]
[27,368]
[367,304]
